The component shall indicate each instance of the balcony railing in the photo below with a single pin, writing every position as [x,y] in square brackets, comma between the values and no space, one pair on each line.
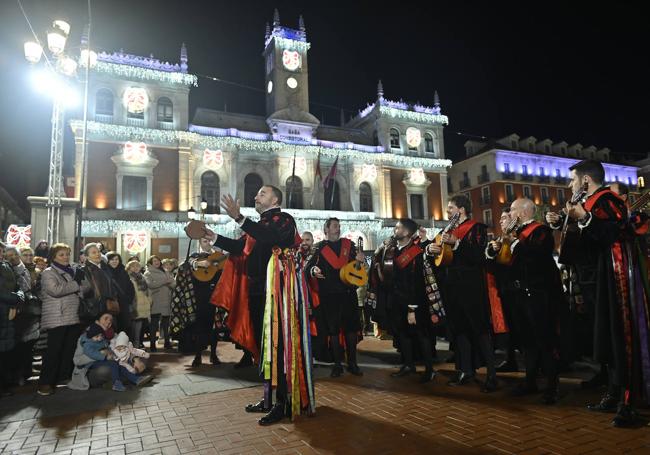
[165,125]
[560,180]
[526,178]
[464,184]
[484,178]
[130,121]
[103,118]
[508,175]
[544,179]
[486,200]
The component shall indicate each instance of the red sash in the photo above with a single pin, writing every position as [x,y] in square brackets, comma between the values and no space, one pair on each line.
[525,233]
[337,262]
[461,231]
[496,308]
[406,257]
[591,200]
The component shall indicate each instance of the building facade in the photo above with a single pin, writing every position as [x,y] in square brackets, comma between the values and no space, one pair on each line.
[494,174]
[148,164]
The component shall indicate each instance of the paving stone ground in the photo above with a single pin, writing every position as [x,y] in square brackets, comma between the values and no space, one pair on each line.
[200,411]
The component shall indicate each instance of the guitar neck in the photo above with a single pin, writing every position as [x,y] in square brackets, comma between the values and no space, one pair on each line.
[641,202]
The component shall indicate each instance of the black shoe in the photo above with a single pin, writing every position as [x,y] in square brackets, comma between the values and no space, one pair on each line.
[490,385]
[355,370]
[337,371]
[404,371]
[597,381]
[428,376]
[214,360]
[625,417]
[524,388]
[607,404]
[460,379]
[245,362]
[274,416]
[197,362]
[257,407]
[508,366]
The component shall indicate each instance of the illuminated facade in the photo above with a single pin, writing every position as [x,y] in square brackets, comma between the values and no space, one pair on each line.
[495,174]
[148,164]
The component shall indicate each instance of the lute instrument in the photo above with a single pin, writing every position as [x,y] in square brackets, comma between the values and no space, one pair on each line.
[354,273]
[217,262]
[569,249]
[504,255]
[446,254]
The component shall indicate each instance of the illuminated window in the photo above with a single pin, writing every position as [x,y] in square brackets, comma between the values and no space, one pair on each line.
[561,197]
[252,184]
[165,110]
[527,192]
[210,191]
[506,168]
[134,193]
[544,193]
[510,193]
[365,197]
[104,102]
[417,206]
[294,193]
[394,139]
[487,217]
[428,143]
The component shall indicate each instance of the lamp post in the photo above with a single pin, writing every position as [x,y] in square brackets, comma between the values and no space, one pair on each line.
[59,67]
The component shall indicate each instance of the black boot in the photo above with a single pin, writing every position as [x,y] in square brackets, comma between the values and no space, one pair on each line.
[354,369]
[626,416]
[197,362]
[257,407]
[274,416]
[337,371]
[490,385]
[404,371]
[608,403]
[461,379]
[428,376]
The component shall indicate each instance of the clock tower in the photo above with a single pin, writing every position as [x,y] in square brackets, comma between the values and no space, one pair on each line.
[287,82]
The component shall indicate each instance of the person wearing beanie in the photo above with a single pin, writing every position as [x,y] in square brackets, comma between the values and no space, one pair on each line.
[129,358]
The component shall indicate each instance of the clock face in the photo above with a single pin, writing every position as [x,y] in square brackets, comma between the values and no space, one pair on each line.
[291,60]
[292,83]
[269,87]
[413,137]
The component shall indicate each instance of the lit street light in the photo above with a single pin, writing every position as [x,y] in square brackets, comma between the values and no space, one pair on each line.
[54,80]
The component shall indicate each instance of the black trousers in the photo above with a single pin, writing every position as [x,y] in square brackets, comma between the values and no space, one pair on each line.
[57,361]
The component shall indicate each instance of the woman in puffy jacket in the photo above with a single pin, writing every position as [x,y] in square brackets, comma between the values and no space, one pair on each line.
[141,302]
[161,285]
[61,287]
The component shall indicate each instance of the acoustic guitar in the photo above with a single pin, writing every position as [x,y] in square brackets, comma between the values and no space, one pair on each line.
[505,254]
[569,250]
[354,273]
[217,262]
[446,254]
[640,203]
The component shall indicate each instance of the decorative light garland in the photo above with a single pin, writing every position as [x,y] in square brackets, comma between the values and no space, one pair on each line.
[302,46]
[172,138]
[146,74]
[419,117]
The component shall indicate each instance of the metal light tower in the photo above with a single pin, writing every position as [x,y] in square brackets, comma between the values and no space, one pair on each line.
[57,65]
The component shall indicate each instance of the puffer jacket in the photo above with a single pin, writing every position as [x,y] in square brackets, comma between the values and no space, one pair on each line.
[161,286]
[60,299]
[142,300]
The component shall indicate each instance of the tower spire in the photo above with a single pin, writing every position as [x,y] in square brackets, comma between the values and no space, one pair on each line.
[436,99]
[183,58]
[301,24]
[276,18]
[267,33]
[380,90]
[342,117]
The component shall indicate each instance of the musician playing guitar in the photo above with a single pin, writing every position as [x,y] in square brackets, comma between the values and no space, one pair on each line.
[464,294]
[339,309]
[620,338]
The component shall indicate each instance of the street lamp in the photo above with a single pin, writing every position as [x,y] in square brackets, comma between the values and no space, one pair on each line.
[191,213]
[57,37]
[204,205]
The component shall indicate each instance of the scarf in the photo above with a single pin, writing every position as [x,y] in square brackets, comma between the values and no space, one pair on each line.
[139,280]
[64,268]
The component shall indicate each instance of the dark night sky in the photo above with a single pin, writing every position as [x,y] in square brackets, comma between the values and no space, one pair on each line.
[553,69]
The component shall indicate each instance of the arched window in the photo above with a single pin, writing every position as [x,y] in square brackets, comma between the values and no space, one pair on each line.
[365,197]
[428,143]
[104,102]
[332,196]
[252,184]
[165,110]
[210,191]
[394,139]
[294,193]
